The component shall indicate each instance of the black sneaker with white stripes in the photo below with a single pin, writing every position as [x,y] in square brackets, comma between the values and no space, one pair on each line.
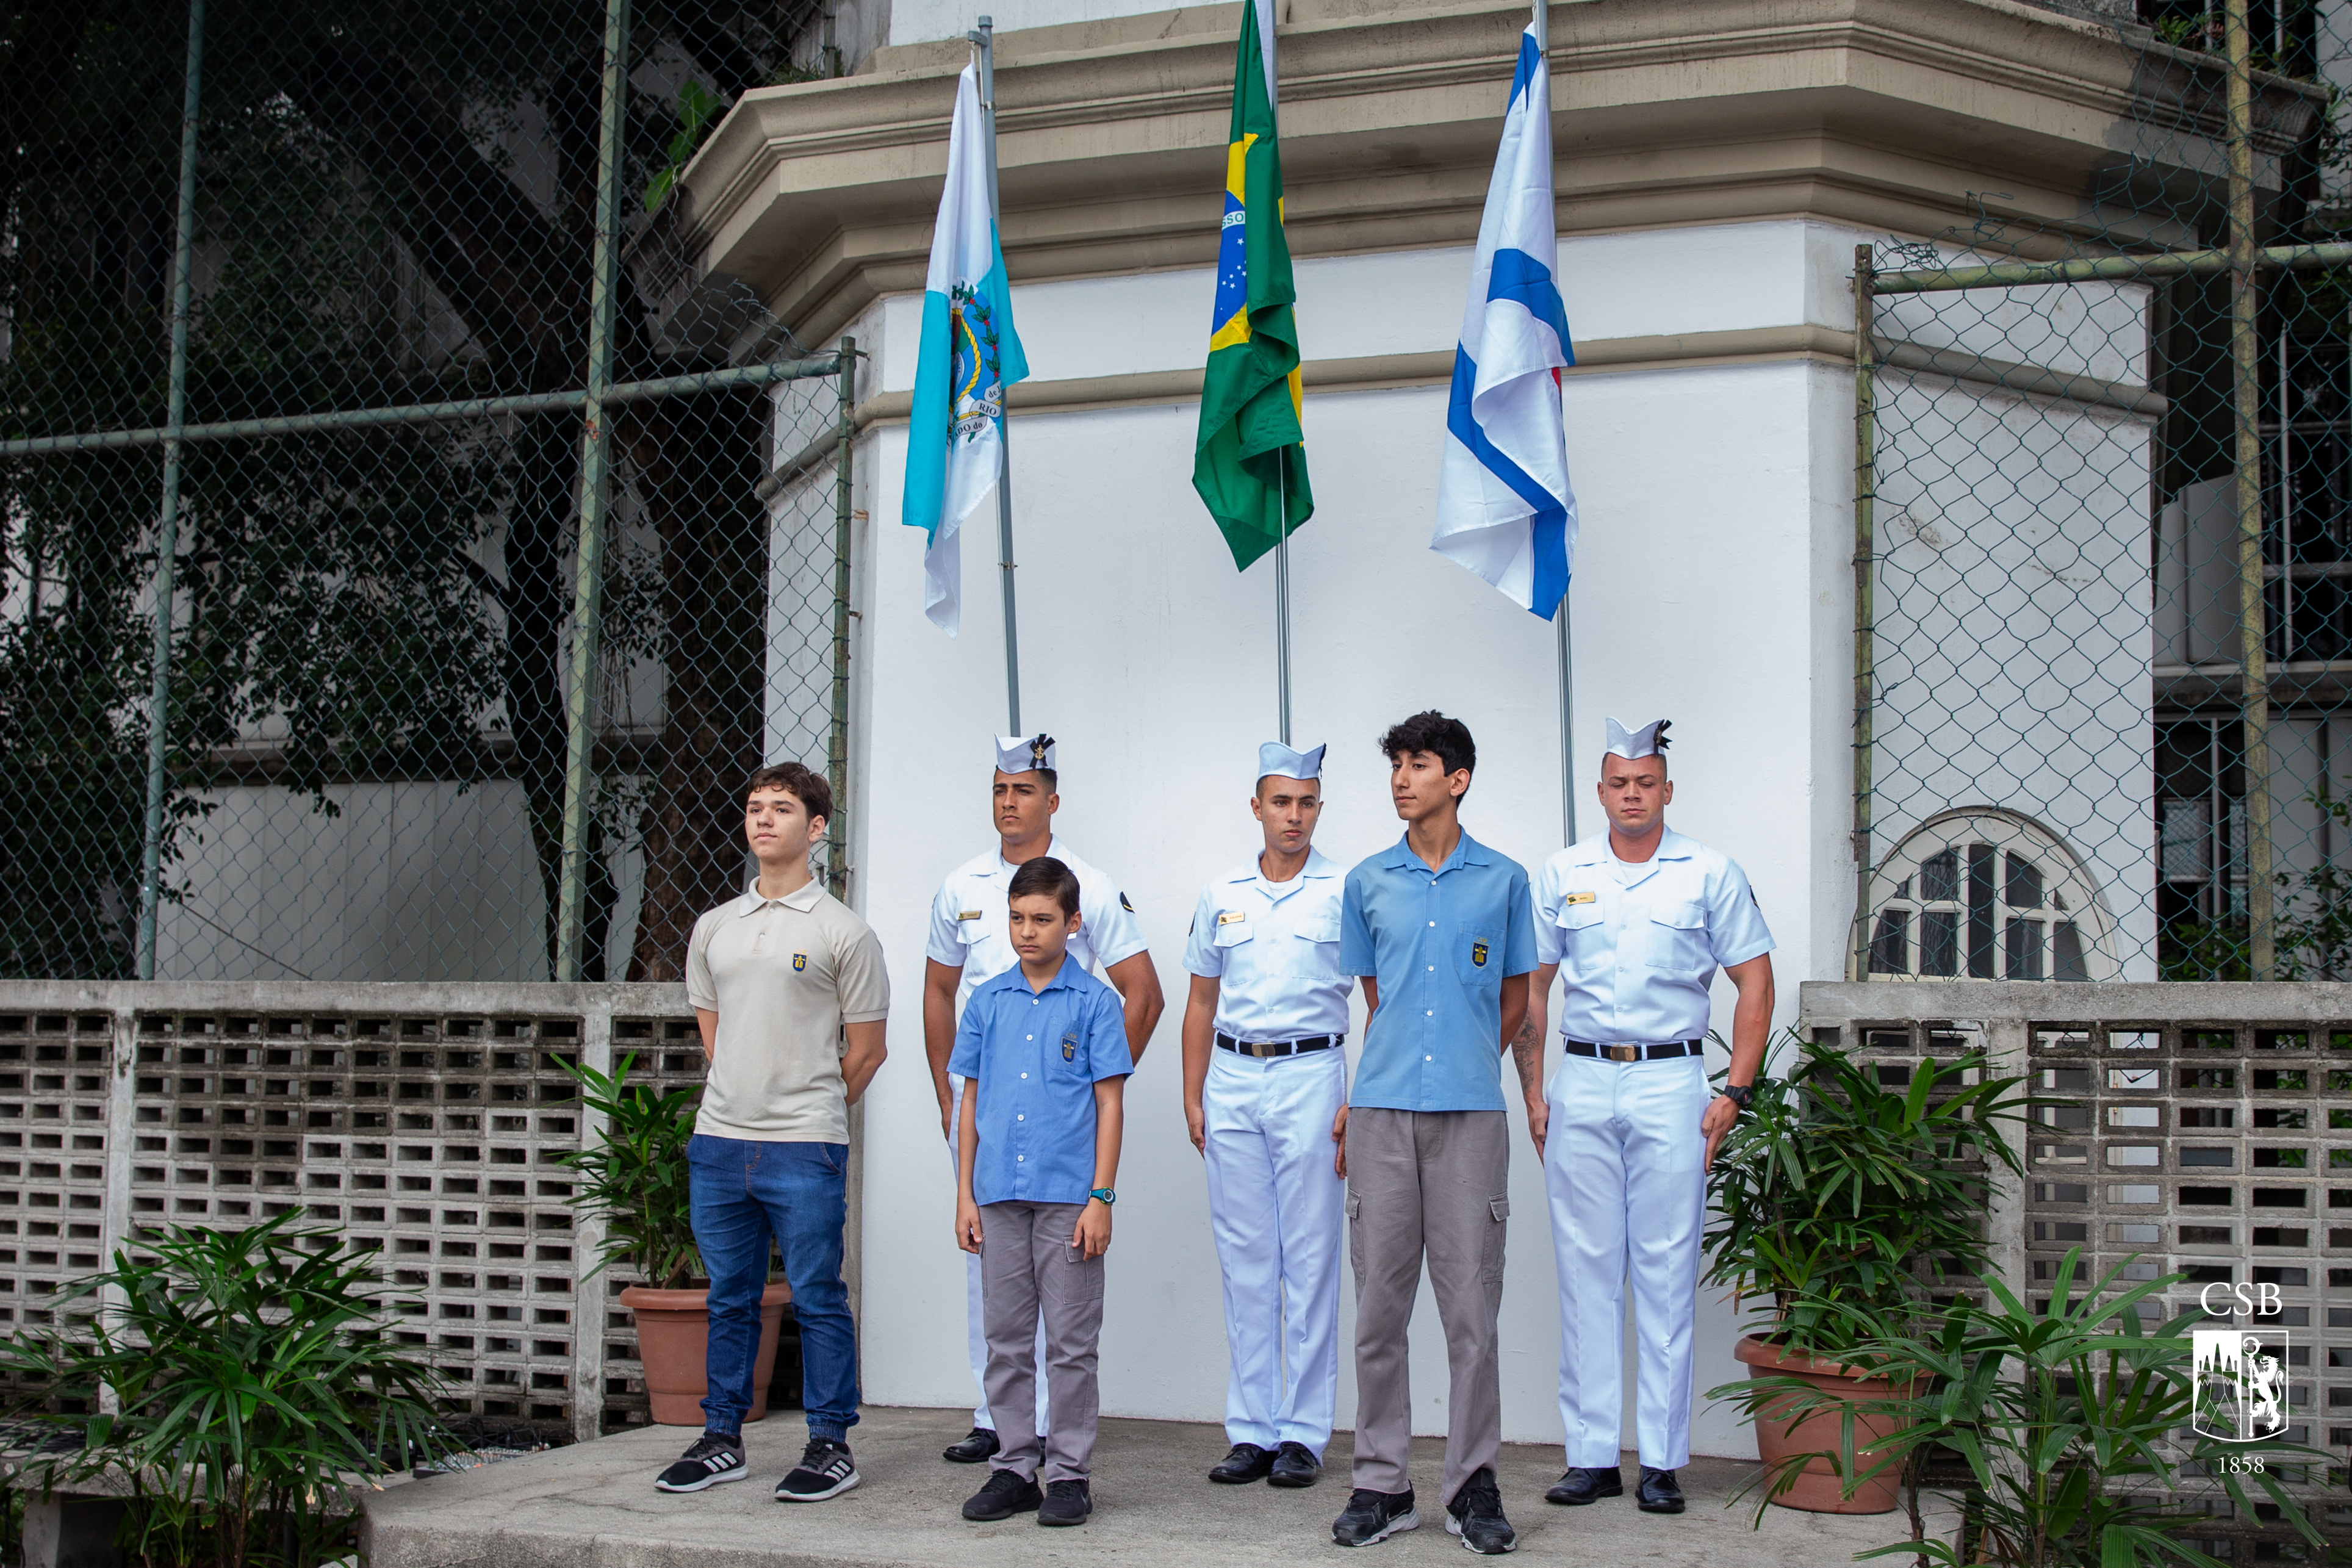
[716,1456]
[824,1470]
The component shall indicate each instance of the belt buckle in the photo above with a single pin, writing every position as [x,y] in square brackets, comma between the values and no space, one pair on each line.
[1623,1053]
[1262,1050]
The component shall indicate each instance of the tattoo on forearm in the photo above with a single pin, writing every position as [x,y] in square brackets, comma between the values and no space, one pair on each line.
[1527,1050]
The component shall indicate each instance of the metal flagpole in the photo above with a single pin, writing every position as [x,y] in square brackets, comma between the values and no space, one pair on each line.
[1560,615]
[985,39]
[1281,458]
[1282,591]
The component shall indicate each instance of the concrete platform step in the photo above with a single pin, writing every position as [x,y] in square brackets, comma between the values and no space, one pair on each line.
[594,1506]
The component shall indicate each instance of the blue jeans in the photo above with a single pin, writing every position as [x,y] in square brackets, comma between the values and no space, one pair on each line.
[743,1193]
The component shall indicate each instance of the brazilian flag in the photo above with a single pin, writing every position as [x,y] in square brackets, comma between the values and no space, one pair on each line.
[1249,462]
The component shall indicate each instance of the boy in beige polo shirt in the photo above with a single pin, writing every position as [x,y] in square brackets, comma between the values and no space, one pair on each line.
[791,992]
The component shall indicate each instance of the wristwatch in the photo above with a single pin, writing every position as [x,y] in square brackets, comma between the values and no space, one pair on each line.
[1106,1193]
[1740,1094]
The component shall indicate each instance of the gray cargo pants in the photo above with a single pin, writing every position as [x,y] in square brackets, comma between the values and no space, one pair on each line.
[1433,1183]
[1029,1271]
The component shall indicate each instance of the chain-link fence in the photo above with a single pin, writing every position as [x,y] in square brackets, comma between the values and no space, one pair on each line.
[2103,549]
[404,555]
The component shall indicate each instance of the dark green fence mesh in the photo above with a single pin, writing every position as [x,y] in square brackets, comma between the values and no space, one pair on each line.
[376,618]
[2105,698]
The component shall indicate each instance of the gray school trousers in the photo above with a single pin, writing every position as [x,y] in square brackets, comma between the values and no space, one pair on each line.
[1028,1271]
[1433,1183]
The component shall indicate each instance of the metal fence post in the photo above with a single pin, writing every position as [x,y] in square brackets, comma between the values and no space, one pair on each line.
[836,751]
[2262,937]
[167,522]
[597,445]
[1865,547]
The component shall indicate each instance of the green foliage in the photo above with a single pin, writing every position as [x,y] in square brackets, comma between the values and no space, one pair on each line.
[636,1175]
[697,112]
[2064,1415]
[254,1392]
[1841,1198]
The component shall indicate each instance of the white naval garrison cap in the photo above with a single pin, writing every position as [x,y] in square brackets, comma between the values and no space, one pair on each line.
[1025,754]
[1649,740]
[1274,757]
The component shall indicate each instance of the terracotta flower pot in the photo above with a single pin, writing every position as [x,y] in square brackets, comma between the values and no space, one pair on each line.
[674,1343]
[1818,1489]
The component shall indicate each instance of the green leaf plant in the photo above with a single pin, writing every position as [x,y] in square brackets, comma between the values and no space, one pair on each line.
[236,1386]
[636,1177]
[1845,1200]
[2065,1424]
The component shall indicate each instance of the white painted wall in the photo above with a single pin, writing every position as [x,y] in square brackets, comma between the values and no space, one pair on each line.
[1711,586]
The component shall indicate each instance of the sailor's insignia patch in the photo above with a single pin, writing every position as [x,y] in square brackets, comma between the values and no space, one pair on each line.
[1125,905]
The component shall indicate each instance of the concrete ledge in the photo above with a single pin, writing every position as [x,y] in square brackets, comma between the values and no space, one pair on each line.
[1825,1002]
[593,1506]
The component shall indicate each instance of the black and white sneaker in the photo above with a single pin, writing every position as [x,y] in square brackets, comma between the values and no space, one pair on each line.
[715,1458]
[1372,1516]
[824,1470]
[1475,1515]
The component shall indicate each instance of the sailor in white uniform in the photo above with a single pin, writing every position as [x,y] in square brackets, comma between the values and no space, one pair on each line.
[969,946]
[1265,1077]
[1636,920]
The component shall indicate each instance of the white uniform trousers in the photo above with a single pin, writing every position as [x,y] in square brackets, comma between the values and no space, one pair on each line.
[975,1318]
[1624,1166]
[1276,1205]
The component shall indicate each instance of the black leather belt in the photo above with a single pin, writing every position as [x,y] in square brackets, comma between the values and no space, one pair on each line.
[1636,1053]
[1279,1047]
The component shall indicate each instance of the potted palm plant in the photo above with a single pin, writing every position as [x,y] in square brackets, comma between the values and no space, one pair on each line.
[636,1178]
[1845,1200]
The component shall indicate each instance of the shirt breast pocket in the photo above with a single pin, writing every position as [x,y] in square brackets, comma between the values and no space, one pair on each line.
[1314,952]
[1479,955]
[1233,933]
[1678,943]
[1583,938]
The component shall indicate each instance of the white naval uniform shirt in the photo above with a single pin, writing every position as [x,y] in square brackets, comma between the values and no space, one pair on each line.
[969,917]
[1274,948]
[1638,945]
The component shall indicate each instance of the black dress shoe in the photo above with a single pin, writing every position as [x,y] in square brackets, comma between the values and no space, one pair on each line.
[1247,1463]
[1067,1502]
[1475,1515]
[1294,1465]
[1005,1495]
[1658,1492]
[1580,1486]
[976,1446]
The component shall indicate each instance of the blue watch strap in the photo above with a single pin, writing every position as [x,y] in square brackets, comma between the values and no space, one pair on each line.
[1108,1195]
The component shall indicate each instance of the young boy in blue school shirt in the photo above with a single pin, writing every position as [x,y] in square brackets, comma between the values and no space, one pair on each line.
[1043,1047]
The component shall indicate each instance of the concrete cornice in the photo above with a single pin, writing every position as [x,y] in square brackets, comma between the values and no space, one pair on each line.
[1680,350]
[1887,114]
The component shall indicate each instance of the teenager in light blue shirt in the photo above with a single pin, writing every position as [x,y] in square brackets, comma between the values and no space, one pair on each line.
[1042,1051]
[1440,930]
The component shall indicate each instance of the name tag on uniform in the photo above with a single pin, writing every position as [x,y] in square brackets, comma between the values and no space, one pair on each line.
[1566,898]
[1233,916]
[974,914]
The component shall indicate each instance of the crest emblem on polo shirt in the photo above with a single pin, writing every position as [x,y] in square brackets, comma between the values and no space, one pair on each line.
[1070,1046]
[800,962]
[1478,954]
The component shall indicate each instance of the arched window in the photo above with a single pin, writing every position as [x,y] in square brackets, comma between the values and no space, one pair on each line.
[1985,894]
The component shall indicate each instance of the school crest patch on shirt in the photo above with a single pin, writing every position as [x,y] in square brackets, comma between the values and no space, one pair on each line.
[800,962]
[1070,1046]
[1478,953]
